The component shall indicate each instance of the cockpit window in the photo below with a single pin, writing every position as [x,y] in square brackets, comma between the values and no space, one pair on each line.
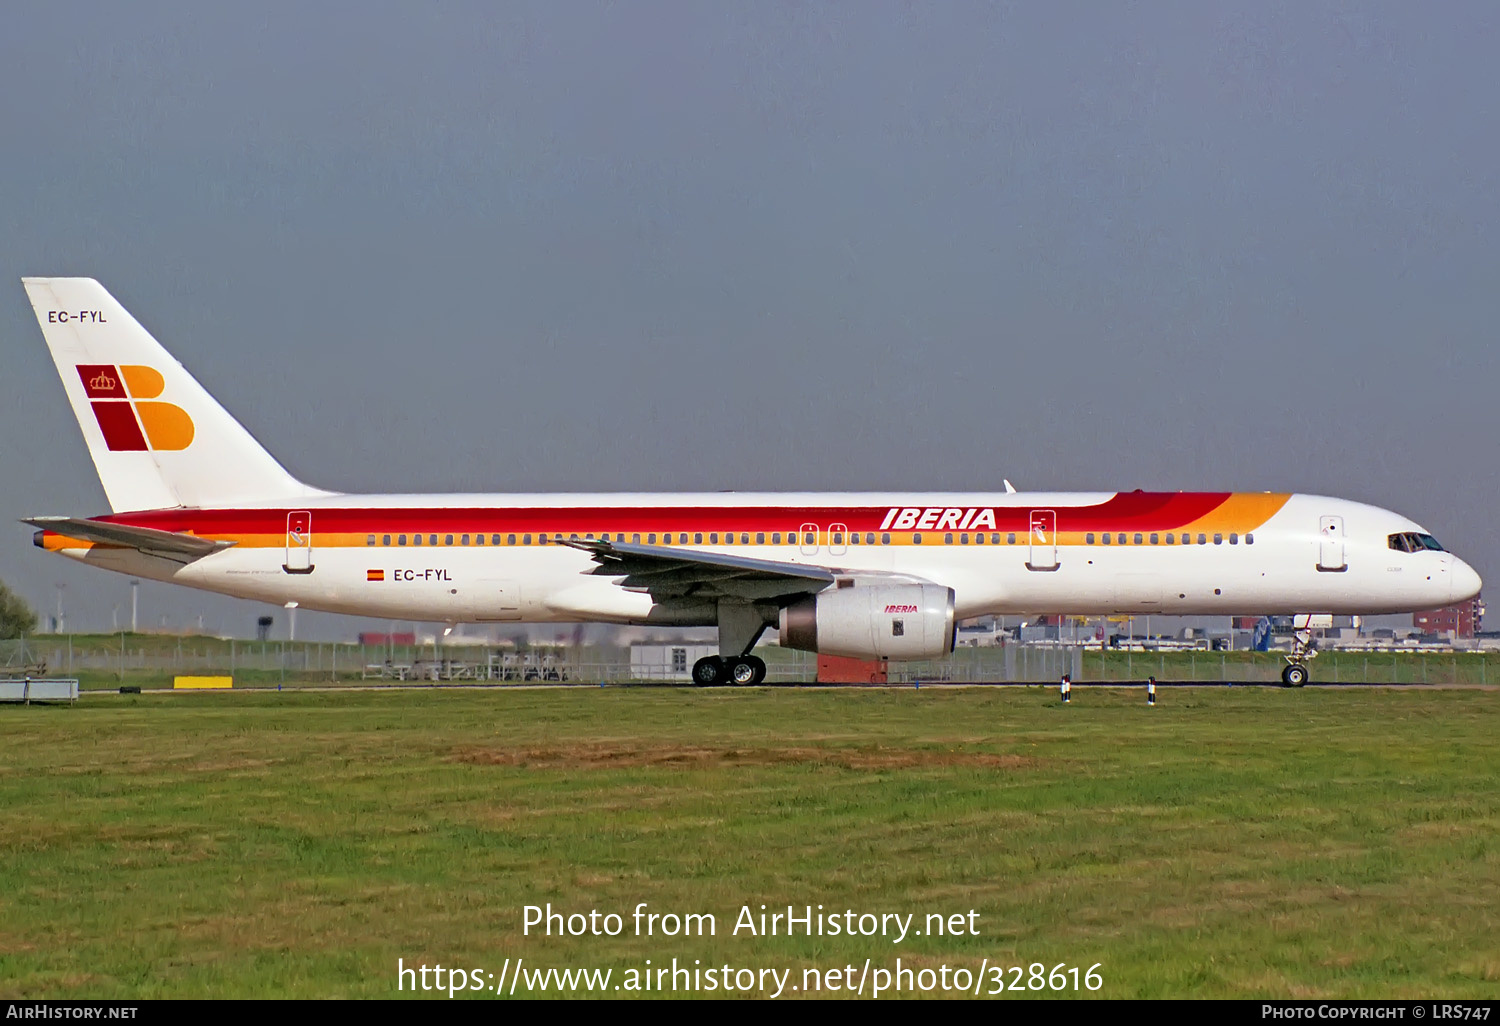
[1413,542]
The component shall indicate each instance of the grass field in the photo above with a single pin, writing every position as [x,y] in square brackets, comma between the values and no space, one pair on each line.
[1229,842]
[107,661]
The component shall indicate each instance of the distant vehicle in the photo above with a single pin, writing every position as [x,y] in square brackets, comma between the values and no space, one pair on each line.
[197,501]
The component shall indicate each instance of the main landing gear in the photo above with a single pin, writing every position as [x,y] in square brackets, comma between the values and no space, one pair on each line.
[716,671]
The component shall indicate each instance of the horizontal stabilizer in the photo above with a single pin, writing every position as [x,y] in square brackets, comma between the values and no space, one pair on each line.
[181,548]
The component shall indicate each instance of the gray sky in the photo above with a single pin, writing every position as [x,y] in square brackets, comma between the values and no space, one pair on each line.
[764,246]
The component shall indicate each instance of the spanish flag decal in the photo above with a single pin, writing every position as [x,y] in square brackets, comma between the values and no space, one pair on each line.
[374,575]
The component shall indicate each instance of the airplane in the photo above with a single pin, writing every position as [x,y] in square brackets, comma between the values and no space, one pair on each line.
[196,501]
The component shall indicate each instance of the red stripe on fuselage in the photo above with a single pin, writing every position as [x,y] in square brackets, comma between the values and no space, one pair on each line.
[1127,511]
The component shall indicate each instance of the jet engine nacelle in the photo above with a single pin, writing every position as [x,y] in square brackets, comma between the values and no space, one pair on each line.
[884,621]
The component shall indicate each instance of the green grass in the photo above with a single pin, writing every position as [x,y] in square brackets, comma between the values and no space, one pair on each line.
[1230,842]
[104,662]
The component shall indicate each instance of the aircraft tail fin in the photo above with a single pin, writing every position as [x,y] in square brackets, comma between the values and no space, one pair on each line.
[156,436]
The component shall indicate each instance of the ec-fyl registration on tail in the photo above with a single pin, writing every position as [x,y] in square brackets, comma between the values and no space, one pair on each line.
[197,501]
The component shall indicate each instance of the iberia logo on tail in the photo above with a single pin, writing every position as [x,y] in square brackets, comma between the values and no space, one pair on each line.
[131,422]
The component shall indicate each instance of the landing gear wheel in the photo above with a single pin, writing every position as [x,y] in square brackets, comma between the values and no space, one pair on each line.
[709,672]
[746,671]
[1294,676]
[741,671]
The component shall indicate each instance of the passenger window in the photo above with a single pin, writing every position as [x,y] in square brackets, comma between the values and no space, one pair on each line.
[510,539]
[1010,539]
[853,537]
[541,539]
[1108,539]
[495,539]
[401,540]
[838,537]
[697,538]
[1249,539]
[810,538]
[650,539]
[1218,539]
[416,539]
[1171,538]
[682,538]
[525,539]
[1088,539]
[995,539]
[369,539]
[464,540]
[760,537]
[885,539]
[385,539]
[963,539]
[744,538]
[713,537]
[1137,539]
[432,539]
[635,539]
[916,539]
[1121,539]
[1202,540]
[775,537]
[1154,540]
[869,537]
[948,538]
[978,537]
[479,539]
[1234,539]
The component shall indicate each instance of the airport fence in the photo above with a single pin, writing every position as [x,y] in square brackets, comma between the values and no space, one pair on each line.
[108,661]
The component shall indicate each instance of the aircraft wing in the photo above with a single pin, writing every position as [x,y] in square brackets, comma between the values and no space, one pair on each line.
[668,573]
[180,548]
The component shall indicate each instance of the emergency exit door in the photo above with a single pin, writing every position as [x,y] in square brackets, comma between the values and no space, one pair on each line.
[1043,540]
[298,543]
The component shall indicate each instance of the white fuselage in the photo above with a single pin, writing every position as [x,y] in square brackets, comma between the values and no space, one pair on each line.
[1030,553]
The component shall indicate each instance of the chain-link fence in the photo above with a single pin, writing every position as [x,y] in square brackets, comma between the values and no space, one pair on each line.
[101,661]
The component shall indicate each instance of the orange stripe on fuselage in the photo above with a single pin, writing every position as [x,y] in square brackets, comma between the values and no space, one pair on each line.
[1242,512]
[1128,513]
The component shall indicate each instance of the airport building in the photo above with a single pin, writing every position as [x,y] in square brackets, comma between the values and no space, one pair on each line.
[1460,621]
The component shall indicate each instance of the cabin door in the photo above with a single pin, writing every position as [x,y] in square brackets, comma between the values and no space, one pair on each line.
[1043,540]
[298,543]
[1331,545]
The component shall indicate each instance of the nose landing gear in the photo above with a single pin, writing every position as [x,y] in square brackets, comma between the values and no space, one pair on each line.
[1295,674]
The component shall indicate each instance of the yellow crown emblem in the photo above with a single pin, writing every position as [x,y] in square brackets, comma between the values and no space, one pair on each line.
[103,382]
